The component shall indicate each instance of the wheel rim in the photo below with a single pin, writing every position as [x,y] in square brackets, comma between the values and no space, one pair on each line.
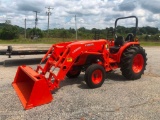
[138,63]
[97,76]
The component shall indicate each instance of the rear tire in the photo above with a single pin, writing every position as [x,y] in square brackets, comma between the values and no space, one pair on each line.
[94,76]
[133,62]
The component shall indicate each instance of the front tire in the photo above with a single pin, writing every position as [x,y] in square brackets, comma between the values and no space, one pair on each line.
[133,62]
[94,76]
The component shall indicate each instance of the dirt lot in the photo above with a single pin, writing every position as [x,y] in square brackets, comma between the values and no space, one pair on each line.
[117,99]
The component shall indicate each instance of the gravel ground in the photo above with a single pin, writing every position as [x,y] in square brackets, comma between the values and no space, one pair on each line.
[117,99]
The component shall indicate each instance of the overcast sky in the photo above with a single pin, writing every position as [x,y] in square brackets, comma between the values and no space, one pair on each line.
[90,13]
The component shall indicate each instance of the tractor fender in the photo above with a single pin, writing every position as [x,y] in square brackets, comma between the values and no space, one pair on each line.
[124,47]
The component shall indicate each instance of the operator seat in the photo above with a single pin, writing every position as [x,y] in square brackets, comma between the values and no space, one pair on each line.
[119,41]
[130,37]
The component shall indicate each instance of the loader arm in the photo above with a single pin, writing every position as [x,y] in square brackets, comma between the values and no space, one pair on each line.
[63,58]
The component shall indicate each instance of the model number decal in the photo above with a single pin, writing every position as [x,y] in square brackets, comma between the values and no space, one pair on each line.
[76,49]
[89,44]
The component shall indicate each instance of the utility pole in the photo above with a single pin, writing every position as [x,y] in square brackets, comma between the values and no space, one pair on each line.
[76,26]
[36,20]
[48,13]
[25,28]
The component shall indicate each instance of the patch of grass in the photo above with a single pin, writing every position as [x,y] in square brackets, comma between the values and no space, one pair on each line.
[150,43]
[35,41]
[57,40]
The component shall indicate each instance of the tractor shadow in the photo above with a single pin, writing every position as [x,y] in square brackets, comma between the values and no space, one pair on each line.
[80,82]
[115,76]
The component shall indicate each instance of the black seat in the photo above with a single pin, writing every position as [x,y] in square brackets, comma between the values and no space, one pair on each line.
[119,41]
[130,37]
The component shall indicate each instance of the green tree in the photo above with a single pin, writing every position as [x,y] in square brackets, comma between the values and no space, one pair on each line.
[65,34]
[71,30]
[9,32]
[35,33]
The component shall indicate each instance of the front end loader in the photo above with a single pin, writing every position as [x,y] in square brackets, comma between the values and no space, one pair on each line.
[94,57]
[33,86]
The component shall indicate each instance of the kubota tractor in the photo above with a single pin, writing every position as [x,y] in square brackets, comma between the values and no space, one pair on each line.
[94,57]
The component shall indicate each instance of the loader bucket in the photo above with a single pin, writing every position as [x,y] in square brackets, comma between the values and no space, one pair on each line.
[31,88]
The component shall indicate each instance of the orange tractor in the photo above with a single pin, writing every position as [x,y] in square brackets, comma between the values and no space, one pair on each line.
[94,57]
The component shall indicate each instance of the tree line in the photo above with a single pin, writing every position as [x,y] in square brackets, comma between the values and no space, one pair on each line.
[9,32]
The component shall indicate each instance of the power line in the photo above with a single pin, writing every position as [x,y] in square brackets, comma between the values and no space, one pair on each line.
[25,27]
[48,13]
[36,19]
[76,26]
